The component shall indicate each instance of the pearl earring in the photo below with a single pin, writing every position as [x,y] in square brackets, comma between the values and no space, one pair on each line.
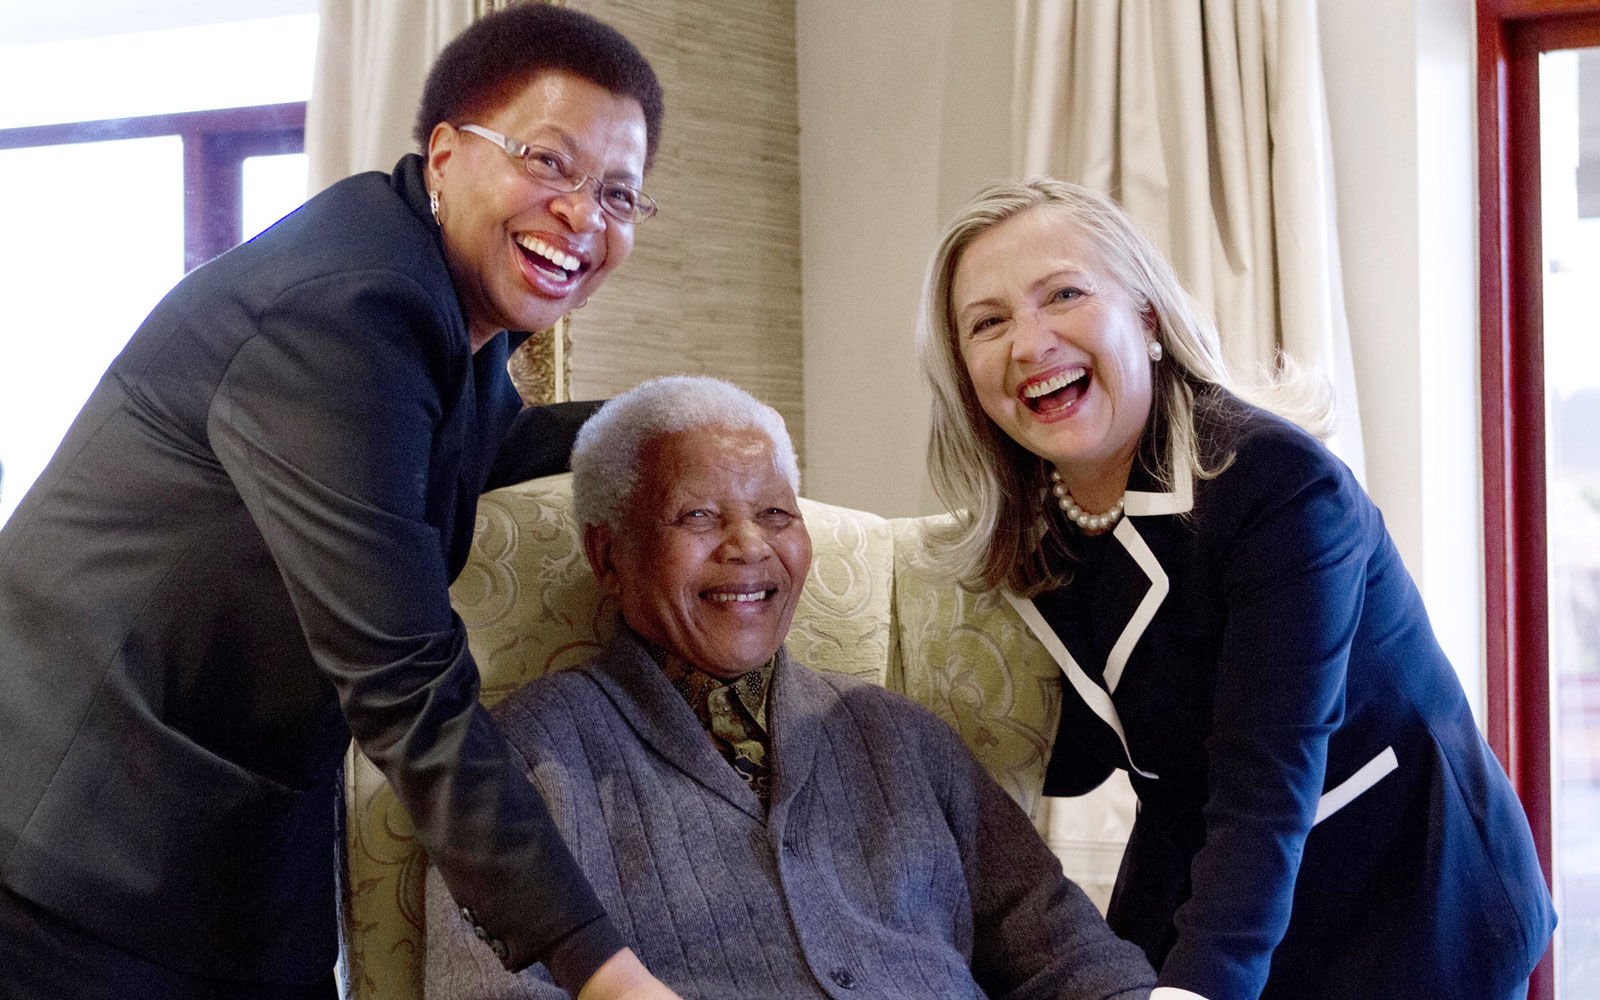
[1154,347]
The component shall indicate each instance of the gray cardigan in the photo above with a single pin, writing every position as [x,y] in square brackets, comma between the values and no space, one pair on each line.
[889,865]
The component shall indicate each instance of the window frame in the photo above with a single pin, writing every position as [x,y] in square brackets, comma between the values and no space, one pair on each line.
[216,143]
[1512,34]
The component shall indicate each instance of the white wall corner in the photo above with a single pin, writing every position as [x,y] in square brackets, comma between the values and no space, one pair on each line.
[904,108]
[1402,113]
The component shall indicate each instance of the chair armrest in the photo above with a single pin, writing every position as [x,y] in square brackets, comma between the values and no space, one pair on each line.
[968,657]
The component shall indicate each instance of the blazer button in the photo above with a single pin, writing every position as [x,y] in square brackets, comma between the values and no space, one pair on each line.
[842,978]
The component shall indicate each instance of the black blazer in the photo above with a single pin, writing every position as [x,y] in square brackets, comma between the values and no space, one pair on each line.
[238,557]
[1319,816]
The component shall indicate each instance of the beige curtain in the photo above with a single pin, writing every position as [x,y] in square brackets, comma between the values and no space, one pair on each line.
[1206,120]
[372,56]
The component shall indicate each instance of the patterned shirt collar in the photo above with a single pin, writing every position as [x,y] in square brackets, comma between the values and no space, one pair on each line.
[732,712]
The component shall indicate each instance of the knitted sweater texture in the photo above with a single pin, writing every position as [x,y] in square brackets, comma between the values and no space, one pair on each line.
[890,865]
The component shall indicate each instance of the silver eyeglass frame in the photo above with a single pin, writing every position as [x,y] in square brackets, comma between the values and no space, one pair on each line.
[567,177]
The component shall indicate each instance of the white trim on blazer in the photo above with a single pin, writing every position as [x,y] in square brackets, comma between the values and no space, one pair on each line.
[1096,697]
[1346,791]
[1134,504]
[1180,500]
[1117,659]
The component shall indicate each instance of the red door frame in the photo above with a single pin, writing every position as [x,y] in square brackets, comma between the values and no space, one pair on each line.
[1511,36]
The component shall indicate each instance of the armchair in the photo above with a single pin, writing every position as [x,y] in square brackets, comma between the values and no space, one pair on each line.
[871,608]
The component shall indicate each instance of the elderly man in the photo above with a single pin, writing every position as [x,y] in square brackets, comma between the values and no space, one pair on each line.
[757,829]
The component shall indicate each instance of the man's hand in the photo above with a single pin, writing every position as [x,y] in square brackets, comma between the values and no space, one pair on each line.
[624,977]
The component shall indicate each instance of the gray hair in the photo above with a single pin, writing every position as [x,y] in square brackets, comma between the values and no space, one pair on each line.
[996,487]
[605,459]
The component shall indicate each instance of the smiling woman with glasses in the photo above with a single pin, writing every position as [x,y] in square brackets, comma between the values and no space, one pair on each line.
[240,557]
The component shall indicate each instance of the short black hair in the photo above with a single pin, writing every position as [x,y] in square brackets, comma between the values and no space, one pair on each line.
[500,53]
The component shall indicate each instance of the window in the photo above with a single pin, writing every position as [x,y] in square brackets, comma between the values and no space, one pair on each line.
[1539,171]
[180,142]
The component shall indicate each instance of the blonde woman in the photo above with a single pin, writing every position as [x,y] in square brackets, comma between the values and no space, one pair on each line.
[1319,817]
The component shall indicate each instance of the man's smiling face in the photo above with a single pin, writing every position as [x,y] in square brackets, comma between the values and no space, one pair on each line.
[712,554]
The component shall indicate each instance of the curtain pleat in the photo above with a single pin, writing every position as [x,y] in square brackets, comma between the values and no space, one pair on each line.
[372,57]
[1206,120]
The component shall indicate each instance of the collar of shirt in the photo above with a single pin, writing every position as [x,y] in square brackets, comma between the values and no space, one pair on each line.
[732,712]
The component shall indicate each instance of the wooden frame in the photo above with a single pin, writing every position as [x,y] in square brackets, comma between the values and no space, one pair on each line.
[215,145]
[1511,36]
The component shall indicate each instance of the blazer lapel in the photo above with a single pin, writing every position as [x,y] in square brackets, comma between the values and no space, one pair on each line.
[1139,503]
[1145,578]
[1097,698]
[1151,584]
[632,679]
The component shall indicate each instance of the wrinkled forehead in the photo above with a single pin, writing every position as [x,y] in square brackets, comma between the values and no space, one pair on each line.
[710,459]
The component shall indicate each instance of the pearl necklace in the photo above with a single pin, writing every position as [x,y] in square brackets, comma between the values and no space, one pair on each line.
[1091,524]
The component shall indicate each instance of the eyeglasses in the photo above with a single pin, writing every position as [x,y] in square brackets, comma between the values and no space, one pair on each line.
[622,202]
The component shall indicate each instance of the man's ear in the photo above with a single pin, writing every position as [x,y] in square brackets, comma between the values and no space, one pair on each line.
[600,547]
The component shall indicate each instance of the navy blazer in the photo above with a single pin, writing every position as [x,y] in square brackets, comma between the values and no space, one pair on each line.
[1318,814]
[239,556]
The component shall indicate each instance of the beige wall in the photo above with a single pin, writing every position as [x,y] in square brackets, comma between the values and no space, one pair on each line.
[714,283]
[823,138]
[904,111]
[1402,114]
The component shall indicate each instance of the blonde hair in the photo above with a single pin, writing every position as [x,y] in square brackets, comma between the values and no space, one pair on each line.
[996,487]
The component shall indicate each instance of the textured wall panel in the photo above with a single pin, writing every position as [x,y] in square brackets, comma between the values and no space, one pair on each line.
[714,283]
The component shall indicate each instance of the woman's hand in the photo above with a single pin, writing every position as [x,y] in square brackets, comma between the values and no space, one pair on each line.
[624,977]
